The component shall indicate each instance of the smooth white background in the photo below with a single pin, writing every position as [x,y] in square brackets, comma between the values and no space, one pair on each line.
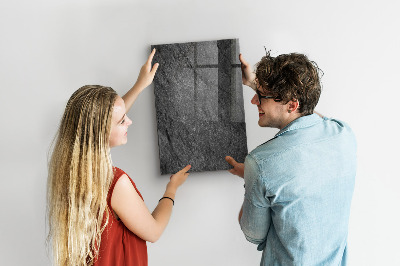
[49,49]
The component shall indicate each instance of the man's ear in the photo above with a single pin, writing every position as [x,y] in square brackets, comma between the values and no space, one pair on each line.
[293,105]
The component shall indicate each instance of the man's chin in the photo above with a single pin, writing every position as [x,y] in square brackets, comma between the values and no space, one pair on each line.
[265,124]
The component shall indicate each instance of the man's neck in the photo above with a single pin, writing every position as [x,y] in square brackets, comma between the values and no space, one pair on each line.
[290,119]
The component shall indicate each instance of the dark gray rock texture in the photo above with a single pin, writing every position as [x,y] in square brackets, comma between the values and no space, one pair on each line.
[199,105]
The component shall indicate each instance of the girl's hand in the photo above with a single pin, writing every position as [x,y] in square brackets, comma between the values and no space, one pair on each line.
[179,178]
[146,74]
[145,78]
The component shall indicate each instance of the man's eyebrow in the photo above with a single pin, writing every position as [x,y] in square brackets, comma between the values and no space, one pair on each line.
[121,118]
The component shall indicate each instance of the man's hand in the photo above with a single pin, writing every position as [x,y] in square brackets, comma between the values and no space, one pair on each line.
[238,168]
[248,76]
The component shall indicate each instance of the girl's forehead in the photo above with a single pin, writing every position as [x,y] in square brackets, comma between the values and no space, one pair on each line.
[119,109]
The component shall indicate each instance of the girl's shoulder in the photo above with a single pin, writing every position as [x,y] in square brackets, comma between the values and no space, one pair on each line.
[118,172]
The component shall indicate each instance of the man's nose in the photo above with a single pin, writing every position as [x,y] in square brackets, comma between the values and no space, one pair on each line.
[254,100]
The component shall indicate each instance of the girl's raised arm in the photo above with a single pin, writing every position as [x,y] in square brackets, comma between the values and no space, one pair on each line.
[145,78]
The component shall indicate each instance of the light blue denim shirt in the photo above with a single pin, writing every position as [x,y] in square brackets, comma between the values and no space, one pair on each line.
[298,190]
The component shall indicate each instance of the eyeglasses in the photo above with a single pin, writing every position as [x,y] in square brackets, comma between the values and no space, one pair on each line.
[276,99]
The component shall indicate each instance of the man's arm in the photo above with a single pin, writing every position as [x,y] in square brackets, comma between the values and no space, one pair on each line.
[254,216]
[248,75]
[238,169]
[240,213]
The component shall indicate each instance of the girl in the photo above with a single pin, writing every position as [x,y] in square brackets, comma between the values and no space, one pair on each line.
[96,214]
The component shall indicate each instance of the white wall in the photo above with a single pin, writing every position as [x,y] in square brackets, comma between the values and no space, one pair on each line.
[50,48]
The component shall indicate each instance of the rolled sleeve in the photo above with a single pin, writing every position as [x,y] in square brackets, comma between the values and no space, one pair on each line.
[256,217]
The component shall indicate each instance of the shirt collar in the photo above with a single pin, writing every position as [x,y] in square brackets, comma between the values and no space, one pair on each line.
[301,122]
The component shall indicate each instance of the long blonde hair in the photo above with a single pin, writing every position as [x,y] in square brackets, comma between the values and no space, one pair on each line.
[80,174]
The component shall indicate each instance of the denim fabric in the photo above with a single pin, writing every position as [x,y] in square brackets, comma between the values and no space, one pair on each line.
[298,190]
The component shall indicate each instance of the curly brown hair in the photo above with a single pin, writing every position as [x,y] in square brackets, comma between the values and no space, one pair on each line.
[290,77]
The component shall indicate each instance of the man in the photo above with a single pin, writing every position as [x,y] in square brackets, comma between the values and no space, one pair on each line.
[299,184]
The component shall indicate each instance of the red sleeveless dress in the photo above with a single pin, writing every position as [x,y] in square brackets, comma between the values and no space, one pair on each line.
[119,246]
